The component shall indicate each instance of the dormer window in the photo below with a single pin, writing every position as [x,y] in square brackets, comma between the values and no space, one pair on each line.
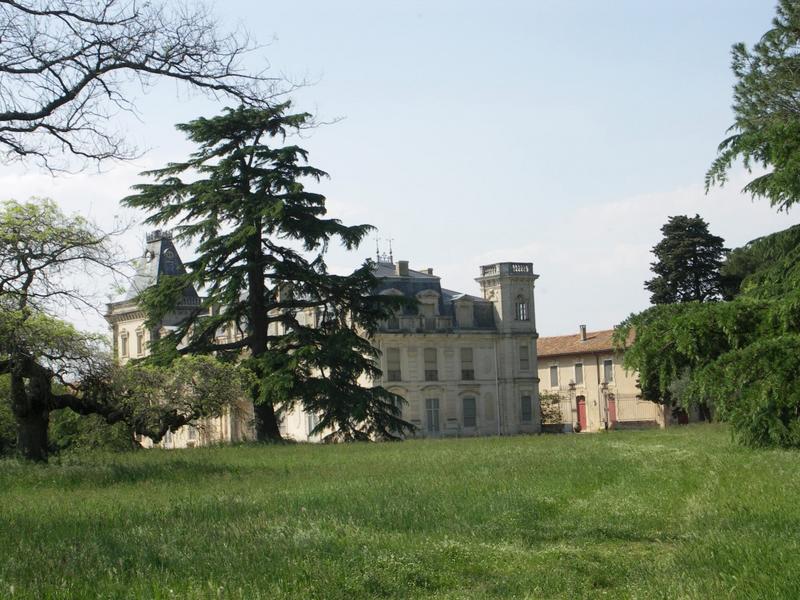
[428,303]
[522,309]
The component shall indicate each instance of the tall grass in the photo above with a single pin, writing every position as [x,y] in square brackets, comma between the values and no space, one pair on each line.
[678,513]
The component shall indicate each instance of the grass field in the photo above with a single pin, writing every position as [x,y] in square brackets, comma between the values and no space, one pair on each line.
[656,514]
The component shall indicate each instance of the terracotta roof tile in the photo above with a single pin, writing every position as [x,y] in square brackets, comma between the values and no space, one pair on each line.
[596,341]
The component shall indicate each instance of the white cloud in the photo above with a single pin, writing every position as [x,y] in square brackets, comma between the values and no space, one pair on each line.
[593,261]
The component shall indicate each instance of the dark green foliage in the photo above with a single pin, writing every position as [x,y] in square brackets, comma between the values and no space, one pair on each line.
[768,266]
[688,260]
[8,425]
[766,106]
[70,431]
[741,356]
[260,239]
[759,388]
[67,429]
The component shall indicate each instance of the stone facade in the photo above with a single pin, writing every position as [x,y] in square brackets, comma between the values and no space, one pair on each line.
[466,365]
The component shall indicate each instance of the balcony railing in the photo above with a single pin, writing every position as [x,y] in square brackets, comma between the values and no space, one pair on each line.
[418,323]
[507,268]
[522,268]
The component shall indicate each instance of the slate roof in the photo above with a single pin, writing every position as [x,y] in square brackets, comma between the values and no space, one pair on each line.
[596,341]
[418,281]
[384,269]
[160,258]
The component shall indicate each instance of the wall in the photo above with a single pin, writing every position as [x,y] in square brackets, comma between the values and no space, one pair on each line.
[236,424]
[631,410]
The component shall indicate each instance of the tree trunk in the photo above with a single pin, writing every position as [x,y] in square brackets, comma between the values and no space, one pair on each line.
[32,435]
[30,406]
[267,429]
[266,420]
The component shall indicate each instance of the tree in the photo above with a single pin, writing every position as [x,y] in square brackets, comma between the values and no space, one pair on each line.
[766,107]
[49,365]
[688,259]
[261,239]
[742,355]
[64,65]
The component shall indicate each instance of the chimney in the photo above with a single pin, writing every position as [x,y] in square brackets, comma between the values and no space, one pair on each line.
[402,268]
[583,333]
[429,270]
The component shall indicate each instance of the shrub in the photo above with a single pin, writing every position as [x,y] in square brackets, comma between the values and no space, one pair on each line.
[550,406]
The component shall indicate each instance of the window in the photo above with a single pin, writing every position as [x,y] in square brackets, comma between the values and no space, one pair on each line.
[524,358]
[608,370]
[522,309]
[432,413]
[393,322]
[312,421]
[426,309]
[139,343]
[578,373]
[469,411]
[554,376]
[191,432]
[467,366]
[431,370]
[123,344]
[393,372]
[526,406]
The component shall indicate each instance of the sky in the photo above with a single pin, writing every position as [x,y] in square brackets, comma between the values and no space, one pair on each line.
[562,133]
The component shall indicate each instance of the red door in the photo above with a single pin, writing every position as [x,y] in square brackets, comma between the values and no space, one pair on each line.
[581,402]
[612,410]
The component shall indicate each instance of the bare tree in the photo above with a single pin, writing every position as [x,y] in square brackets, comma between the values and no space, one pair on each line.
[65,64]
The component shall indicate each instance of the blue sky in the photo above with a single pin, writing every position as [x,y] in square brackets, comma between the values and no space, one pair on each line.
[560,133]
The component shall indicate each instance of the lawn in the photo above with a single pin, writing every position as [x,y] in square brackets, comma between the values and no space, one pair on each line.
[652,514]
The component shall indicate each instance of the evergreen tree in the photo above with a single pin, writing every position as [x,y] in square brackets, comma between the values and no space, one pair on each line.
[766,107]
[688,260]
[742,356]
[261,239]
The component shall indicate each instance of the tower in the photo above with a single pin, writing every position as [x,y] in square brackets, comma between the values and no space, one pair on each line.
[510,286]
[127,319]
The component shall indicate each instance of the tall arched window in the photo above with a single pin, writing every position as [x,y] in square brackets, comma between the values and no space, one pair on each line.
[522,309]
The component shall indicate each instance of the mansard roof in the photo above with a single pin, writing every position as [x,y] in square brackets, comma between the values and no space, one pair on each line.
[160,258]
[411,283]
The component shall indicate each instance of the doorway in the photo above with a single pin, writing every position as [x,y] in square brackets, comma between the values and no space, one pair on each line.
[580,401]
